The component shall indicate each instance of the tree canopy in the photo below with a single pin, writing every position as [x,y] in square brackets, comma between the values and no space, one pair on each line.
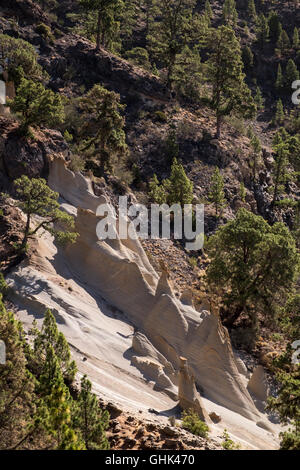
[252,265]
[229,92]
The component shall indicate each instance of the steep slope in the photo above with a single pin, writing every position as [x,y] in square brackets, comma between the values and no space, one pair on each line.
[86,285]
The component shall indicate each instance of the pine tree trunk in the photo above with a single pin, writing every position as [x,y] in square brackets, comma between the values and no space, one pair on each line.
[231,319]
[25,238]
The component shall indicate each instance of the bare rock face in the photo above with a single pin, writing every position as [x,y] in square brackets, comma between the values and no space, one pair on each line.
[28,11]
[27,156]
[154,365]
[23,157]
[258,384]
[188,396]
[187,297]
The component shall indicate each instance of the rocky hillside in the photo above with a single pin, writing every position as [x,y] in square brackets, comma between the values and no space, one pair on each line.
[98,116]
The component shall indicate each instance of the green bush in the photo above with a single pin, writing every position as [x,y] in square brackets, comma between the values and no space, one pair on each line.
[229,444]
[45,31]
[140,57]
[3,285]
[160,116]
[191,422]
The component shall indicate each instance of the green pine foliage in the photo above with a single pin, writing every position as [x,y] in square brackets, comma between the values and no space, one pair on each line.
[279,84]
[258,99]
[177,189]
[287,406]
[37,106]
[169,33]
[255,156]
[102,127]
[291,74]
[216,195]
[90,419]
[279,114]
[106,20]
[140,57]
[262,31]
[230,15]
[37,410]
[275,27]
[253,265]
[283,44]
[36,198]
[192,422]
[252,10]
[157,192]
[208,9]
[281,149]
[230,94]
[19,59]
[247,56]
[188,75]
[296,38]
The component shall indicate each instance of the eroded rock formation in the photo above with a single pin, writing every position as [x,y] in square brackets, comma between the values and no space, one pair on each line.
[119,271]
[189,397]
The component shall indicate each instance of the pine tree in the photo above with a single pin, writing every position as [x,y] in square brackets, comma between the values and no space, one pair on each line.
[16,384]
[140,57]
[50,336]
[230,15]
[230,94]
[279,115]
[275,27]
[247,56]
[90,419]
[19,59]
[291,74]
[262,30]
[216,195]
[279,84]
[157,192]
[243,192]
[296,38]
[106,11]
[58,401]
[252,10]
[287,406]
[283,44]
[253,265]
[170,32]
[37,105]
[188,74]
[171,147]
[35,197]
[258,99]
[179,187]
[103,127]
[208,9]
[151,9]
